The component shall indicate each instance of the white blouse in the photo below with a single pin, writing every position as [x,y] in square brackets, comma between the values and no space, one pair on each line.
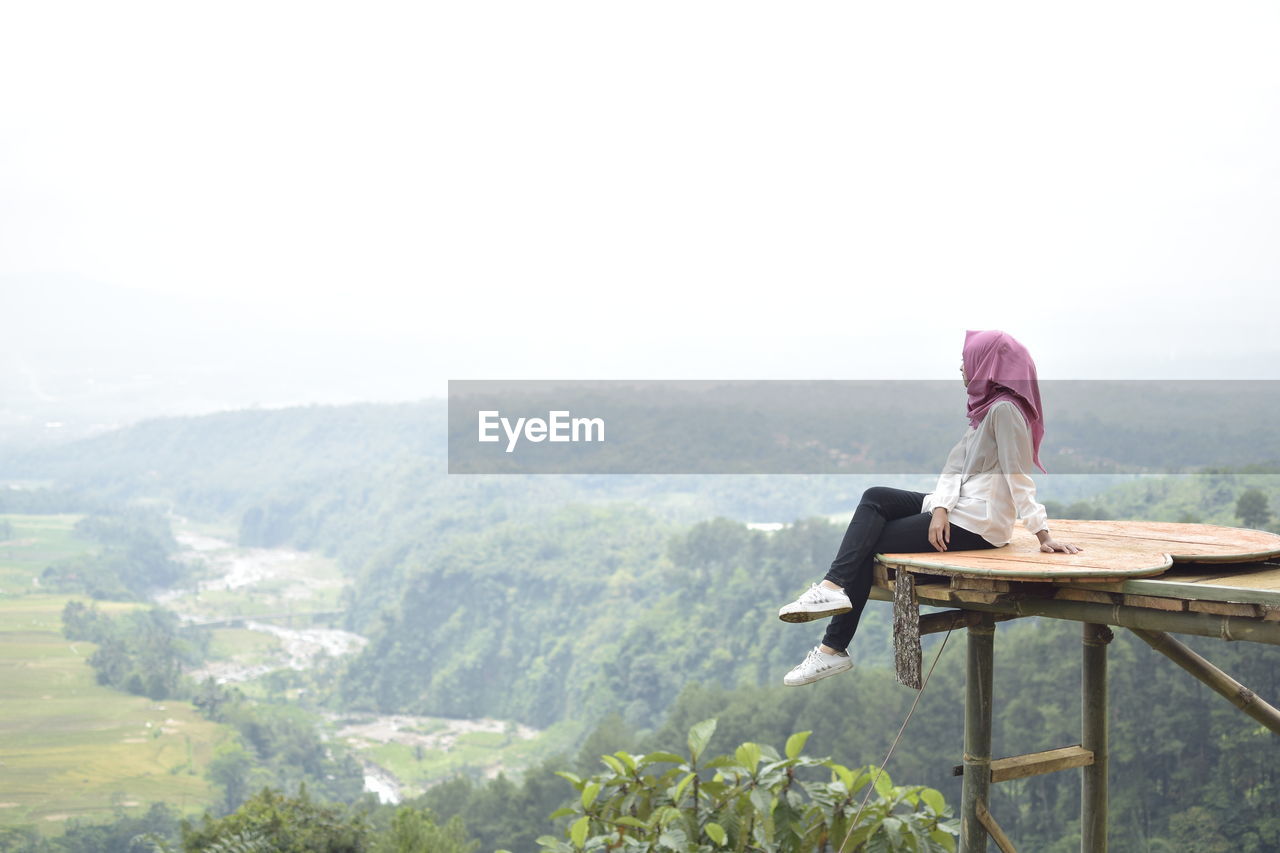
[986,483]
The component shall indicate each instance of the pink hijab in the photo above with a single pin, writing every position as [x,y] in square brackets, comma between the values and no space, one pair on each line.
[1000,368]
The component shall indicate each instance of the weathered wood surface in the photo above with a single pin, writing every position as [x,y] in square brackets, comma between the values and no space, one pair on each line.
[1225,608]
[951,620]
[1198,543]
[906,631]
[984,584]
[1111,551]
[1073,594]
[1154,601]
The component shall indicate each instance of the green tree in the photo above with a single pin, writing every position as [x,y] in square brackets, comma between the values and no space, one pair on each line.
[1252,508]
[230,769]
[1197,829]
[158,825]
[270,820]
[757,799]
[21,839]
[416,831]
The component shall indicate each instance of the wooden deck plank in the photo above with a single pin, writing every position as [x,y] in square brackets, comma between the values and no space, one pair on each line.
[1224,608]
[1205,543]
[1258,587]
[961,595]
[1013,567]
[1196,572]
[1156,602]
[1072,594]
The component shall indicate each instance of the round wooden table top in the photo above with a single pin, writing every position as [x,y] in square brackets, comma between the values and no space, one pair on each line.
[1109,549]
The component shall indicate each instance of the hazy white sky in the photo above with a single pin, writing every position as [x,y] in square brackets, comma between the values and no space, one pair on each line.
[665,189]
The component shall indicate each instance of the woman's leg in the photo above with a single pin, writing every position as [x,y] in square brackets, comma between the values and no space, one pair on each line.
[879,505]
[852,567]
[882,526]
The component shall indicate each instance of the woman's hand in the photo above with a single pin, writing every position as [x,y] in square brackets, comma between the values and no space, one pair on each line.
[1048,545]
[939,529]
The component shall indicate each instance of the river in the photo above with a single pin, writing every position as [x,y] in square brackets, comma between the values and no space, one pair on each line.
[280,584]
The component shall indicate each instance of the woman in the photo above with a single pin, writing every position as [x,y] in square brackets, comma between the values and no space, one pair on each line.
[984,487]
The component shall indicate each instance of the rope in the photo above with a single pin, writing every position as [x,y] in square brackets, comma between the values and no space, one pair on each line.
[894,745]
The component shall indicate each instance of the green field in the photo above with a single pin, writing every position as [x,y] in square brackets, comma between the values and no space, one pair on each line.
[37,541]
[68,746]
[484,752]
[242,645]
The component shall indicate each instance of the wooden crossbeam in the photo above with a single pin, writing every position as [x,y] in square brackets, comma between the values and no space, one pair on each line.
[933,623]
[1035,763]
[987,584]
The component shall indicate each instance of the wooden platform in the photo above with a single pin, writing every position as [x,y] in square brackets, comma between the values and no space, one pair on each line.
[1155,579]
[1251,592]
[1112,551]
[1121,567]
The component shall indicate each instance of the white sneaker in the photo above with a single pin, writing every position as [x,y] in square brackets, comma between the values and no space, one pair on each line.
[817,665]
[816,603]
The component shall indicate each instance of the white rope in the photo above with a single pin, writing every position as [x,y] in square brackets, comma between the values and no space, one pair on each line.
[894,745]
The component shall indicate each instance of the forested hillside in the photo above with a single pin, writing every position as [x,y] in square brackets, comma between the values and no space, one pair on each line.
[637,606]
[590,610]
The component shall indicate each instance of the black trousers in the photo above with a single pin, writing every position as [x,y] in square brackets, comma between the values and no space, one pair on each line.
[887,521]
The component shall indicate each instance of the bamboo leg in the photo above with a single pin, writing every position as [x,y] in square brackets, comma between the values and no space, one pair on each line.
[1002,840]
[1239,695]
[977,736]
[1093,721]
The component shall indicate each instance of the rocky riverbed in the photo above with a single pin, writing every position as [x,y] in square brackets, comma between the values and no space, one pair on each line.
[278,593]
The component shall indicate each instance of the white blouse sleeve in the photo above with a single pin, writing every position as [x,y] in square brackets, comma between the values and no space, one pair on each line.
[1013,447]
[947,492]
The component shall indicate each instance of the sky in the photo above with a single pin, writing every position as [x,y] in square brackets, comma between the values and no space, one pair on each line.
[643,190]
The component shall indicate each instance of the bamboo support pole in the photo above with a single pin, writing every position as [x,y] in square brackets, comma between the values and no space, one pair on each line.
[1239,695]
[1093,724]
[997,833]
[977,736]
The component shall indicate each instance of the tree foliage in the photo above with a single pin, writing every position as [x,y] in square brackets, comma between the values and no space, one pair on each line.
[279,745]
[134,557]
[271,820]
[1253,508]
[755,799]
[140,651]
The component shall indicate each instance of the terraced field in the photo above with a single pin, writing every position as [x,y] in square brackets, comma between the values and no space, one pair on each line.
[68,746]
